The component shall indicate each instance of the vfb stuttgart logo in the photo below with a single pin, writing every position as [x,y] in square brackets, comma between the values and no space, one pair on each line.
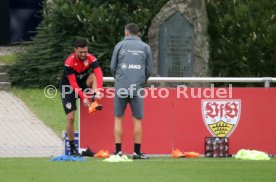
[221,117]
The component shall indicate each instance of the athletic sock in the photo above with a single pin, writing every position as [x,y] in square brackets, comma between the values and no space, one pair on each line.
[72,144]
[118,147]
[137,147]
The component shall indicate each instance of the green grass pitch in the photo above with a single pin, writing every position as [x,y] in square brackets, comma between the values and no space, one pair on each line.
[159,169]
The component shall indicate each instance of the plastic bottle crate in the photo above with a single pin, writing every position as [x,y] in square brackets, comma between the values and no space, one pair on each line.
[216,147]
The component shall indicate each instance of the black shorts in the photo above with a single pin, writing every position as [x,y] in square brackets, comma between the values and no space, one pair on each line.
[68,95]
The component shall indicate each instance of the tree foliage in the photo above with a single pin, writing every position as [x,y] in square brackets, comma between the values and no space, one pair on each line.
[242,33]
[243,41]
[101,22]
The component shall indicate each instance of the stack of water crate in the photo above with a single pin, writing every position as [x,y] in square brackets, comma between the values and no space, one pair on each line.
[216,147]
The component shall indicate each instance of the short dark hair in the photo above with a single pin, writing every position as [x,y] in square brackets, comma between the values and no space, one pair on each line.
[81,42]
[132,28]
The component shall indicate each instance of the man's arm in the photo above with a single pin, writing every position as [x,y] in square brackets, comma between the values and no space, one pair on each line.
[148,69]
[98,73]
[114,60]
[73,81]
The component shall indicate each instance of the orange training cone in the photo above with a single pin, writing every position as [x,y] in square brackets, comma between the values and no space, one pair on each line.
[177,154]
[102,154]
[191,154]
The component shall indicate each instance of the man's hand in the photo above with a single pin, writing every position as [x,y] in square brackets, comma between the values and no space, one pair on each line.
[86,102]
[98,94]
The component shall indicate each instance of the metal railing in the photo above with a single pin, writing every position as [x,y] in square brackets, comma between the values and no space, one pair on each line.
[265,80]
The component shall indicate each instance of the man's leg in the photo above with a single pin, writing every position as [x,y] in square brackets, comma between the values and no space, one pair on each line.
[69,104]
[137,108]
[138,131]
[137,135]
[120,104]
[118,133]
[70,120]
[91,81]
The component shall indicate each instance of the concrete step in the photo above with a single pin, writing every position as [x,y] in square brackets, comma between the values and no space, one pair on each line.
[4,77]
[2,67]
[5,86]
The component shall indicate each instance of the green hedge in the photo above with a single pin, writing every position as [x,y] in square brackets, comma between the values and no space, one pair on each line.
[243,38]
[242,33]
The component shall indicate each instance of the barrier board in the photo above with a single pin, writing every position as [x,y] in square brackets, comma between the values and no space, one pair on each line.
[185,117]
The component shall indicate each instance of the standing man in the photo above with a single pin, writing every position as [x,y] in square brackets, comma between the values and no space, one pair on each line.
[131,66]
[76,82]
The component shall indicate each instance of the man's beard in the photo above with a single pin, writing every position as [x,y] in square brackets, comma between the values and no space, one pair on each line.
[81,58]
